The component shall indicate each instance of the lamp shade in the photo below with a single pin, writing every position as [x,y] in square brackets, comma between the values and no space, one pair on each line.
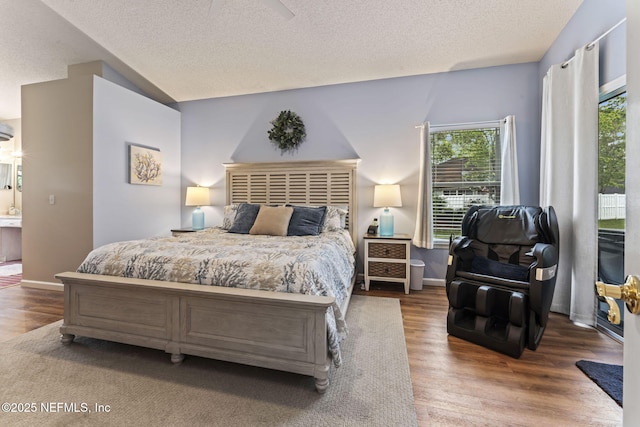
[387,196]
[197,196]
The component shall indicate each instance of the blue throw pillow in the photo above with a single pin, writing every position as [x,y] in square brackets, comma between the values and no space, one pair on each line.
[489,267]
[306,221]
[246,216]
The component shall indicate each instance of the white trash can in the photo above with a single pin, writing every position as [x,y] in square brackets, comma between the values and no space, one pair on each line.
[417,271]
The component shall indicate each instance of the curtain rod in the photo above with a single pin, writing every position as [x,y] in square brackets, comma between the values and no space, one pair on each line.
[449,125]
[590,45]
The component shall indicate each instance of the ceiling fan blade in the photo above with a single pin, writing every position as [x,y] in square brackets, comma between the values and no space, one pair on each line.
[280,8]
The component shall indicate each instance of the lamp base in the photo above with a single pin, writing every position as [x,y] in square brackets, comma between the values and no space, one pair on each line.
[197,219]
[386,223]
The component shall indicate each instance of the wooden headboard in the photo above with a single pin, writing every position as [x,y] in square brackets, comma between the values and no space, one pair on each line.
[327,182]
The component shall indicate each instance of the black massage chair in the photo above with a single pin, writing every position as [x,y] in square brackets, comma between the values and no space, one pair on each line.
[501,276]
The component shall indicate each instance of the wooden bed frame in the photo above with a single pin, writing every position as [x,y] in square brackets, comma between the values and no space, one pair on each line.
[280,331]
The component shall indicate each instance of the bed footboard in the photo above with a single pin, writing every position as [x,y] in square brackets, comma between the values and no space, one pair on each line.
[280,331]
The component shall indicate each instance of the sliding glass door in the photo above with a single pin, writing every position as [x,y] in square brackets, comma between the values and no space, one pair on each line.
[611,198]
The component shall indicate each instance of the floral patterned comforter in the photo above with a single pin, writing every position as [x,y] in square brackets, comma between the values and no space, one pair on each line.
[314,265]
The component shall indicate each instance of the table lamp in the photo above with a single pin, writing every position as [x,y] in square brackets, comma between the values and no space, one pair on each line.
[386,196]
[197,196]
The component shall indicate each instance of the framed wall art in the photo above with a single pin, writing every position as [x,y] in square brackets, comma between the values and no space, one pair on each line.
[145,165]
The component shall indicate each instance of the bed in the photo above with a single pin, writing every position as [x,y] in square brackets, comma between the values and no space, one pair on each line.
[293,332]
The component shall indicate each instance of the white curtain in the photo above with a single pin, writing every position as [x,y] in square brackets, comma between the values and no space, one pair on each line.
[509,186]
[568,178]
[423,236]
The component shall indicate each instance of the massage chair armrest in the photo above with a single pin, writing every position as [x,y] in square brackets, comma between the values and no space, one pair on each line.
[459,245]
[460,255]
[546,255]
[542,280]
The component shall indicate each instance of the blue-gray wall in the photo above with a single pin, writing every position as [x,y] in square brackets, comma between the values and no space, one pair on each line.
[122,211]
[375,121]
[592,19]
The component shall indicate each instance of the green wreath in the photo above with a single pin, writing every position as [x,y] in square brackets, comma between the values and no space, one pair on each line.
[288,131]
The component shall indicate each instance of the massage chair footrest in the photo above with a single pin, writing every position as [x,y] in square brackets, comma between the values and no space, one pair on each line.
[496,334]
[489,316]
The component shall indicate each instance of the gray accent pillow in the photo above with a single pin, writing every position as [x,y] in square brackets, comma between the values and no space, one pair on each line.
[306,221]
[246,216]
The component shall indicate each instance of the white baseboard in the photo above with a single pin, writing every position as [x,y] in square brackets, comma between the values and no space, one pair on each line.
[433,282]
[34,284]
[426,281]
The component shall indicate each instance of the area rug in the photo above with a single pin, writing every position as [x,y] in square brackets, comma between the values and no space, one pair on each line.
[607,377]
[94,382]
[8,281]
[10,274]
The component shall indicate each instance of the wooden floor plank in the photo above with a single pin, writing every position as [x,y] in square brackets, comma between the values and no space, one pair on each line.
[455,383]
[24,309]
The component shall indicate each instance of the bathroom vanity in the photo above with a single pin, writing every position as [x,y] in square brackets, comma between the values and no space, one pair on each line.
[10,238]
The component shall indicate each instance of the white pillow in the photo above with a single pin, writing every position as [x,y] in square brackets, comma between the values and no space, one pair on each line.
[335,218]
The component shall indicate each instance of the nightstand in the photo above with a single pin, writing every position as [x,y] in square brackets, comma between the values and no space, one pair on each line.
[178,231]
[387,259]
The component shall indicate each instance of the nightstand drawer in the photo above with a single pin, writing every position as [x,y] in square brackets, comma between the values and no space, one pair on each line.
[387,250]
[387,269]
[386,259]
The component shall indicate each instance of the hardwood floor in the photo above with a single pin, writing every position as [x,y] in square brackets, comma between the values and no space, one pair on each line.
[455,383]
[24,309]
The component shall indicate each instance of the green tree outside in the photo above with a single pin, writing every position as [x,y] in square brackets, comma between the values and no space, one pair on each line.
[612,125]
[477,146]
[473,168]
[612,144]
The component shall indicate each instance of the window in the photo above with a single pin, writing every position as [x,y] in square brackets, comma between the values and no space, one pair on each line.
[465,171]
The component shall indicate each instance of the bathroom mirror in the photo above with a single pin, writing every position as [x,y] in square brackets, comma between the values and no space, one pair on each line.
[6,171]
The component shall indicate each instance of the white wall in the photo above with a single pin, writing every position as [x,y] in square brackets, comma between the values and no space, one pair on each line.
[124,211]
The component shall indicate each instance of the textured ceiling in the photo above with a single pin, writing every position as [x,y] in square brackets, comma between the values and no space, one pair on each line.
[194,49]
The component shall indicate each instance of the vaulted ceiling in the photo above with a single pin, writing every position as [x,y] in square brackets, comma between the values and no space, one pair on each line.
[195,49]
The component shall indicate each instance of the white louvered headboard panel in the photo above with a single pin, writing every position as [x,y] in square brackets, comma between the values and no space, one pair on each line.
[301,183]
